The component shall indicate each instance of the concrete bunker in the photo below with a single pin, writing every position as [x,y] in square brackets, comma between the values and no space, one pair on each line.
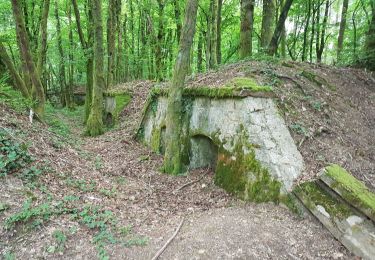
[236,130]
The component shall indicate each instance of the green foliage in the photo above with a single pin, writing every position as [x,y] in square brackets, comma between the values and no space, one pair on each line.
[4,206]
[9,256]
[29,213]
[60,239]
[56,125]
[13,98]
[13,156]
[299,129]
[110,193]
[98,163]
[82,185]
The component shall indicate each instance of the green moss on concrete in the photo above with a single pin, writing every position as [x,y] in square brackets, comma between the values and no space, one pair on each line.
[232,89]
[313,195]
[240,173]
[155,140]
[352,190]
[292,203]
[121,102]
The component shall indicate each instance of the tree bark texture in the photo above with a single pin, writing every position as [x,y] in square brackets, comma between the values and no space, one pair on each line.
[174,147]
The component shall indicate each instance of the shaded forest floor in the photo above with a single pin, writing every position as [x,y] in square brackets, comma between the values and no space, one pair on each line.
[104,196]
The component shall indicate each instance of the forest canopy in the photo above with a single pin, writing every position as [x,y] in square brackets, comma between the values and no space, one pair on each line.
[49,47]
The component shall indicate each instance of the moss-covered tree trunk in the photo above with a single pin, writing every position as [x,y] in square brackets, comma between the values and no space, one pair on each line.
[24,46]
[94,124]
[173,153]
[268,16]
[111,42]
[247,22]
[17,80]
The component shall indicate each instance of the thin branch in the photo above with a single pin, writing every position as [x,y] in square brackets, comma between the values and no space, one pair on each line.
[158,254]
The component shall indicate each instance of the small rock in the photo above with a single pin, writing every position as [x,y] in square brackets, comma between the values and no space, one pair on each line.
[132,198]
[201,251]
[204,185]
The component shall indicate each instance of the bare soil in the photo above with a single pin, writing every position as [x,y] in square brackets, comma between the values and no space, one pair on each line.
[216,225]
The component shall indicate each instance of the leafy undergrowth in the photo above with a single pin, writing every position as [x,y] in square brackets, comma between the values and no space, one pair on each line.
[42,205]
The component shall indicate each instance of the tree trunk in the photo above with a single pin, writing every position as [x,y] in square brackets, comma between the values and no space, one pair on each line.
[23,44]
[17,80]
[159,42]
[321,46]
[174,147]
[213,36]
[247,22]
[120,54]
[63,86]
[340,39]
[306,31]
[200,52]
[218,47]
[71,60]
[111,42]
[279,28]
[94,125]
[43,39]
[268,15]
[370,42]
[177,15]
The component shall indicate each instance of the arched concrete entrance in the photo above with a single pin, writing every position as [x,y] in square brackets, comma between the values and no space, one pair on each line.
[203,152]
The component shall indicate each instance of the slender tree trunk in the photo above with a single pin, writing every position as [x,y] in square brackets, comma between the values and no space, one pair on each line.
[43,39]
[306,31]
[268,16]
[159,42]
[246,32]
[17,80]
[370,41]
[71,60]
[132,62]
[321,46]
[200,52]
[177,15]
[340,39]
[174,147]
[213,36]
[63,86]
[218,47]
[120,54]
[37,89]
[279,28]
[111,42]
[95,121]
